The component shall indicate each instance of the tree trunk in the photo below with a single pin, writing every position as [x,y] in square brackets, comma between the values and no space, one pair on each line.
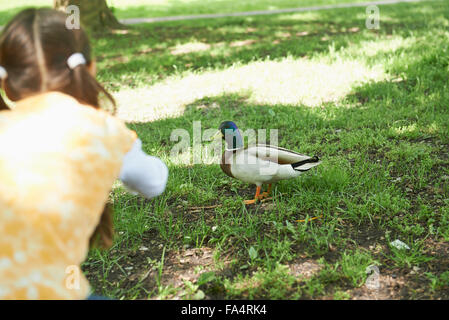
[95,15]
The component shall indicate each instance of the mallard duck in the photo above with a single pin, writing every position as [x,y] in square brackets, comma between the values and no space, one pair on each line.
[260,164]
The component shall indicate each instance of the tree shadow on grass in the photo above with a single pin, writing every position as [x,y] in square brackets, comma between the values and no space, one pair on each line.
[176,7]
[378,133]
[154,51]
[302,129]
[373,110]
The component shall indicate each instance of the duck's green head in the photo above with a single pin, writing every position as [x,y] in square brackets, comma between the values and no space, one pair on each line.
[227,125]
[231,134]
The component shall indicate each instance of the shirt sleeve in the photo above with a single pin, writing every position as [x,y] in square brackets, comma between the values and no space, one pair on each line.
[142,173]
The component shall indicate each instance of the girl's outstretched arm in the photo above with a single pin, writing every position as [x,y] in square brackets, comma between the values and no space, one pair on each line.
[143,173]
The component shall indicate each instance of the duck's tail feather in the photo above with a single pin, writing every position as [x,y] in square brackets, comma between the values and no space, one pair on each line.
[306,165]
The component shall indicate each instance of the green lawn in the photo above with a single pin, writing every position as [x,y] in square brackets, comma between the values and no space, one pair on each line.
[374,105]
[159,8]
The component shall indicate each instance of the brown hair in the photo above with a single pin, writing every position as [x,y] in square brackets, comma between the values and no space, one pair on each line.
[34,48]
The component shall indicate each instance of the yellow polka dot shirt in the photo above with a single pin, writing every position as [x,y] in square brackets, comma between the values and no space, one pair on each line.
[58,161]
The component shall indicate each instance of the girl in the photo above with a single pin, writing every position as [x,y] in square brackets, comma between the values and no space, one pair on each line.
[59,156]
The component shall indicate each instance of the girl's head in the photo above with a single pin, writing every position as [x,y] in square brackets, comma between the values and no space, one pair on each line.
[34,48]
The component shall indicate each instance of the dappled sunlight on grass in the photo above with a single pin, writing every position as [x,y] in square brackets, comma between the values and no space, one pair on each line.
[290,81]
[236,29]
[242,43]
[372,104]
[392,44]
[158,8]
[370,50]
[190,47]
[400,130]
[154,8]
[404,130]
[301,16]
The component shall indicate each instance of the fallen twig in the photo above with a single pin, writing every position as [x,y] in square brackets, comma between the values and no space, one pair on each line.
[198,209]
[314,218]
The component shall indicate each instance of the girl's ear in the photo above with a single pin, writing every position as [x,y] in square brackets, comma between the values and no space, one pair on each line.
[92,68]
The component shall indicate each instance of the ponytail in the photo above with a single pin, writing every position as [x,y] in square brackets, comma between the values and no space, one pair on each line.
[3,105]
[86,89]
[103,235]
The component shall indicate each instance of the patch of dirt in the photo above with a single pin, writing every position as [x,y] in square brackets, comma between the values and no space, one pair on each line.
[305,269]
[187,264]
[365,235]
[178,267]
[183,266]
[385,288]
[439,250]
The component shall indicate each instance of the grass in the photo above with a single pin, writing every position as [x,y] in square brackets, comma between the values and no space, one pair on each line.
[354,265]
[161,8]
[373,104]
[125,9]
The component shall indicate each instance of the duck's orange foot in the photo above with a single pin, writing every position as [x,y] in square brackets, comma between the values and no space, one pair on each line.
[264,195]
[253,201]
[260,198]
[257,196]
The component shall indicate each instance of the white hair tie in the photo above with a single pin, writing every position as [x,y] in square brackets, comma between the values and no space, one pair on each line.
[3,73]
[75,60]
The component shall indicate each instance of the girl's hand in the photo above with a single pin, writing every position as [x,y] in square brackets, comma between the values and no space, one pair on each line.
[142,173]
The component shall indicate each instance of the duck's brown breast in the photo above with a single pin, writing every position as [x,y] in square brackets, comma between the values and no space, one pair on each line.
[225,164]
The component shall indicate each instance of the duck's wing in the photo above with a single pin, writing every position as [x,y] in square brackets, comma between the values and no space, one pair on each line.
[277,154]
[267,164]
